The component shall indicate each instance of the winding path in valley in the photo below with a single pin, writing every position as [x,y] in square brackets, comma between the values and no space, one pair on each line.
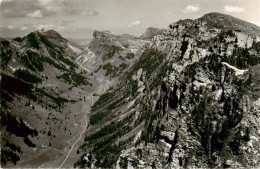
[86,125]
[103,85]
[75,141]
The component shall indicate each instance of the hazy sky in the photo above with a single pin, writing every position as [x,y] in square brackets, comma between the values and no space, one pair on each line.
[78,18]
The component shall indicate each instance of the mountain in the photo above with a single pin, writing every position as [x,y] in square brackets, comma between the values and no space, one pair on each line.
[185,97]
[151,32]
[107,48]
[46,92]
[129,36]
[109,56]
[221,21]
[191,100]
[39,101]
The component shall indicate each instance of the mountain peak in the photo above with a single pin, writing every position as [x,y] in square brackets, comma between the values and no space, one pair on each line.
[215,14]
[52,34]
[228,22]
[151,32]
[101,34]
[220,21]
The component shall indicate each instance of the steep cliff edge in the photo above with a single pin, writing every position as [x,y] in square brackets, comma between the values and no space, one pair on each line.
[151,32]
[191,100]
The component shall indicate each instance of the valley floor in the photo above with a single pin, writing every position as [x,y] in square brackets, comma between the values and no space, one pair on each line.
[63,151]
[70,155]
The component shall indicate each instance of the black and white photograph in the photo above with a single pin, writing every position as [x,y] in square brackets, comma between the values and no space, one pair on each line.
[136,84]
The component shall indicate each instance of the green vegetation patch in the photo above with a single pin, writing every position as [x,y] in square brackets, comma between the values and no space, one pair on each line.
[75,78]
[102,99]
[123,66]
[9,151]
[32,60]
[112,50]
[184,47]
[16,127]
[112,70]
[58,100]
[46,41]
[149,61]
[56,51]
[56,54]
[12,85]
[242,59]
[134,86]
[32,41]
[18,39]
[6,53]
[105,151]
[12,125]
[96,118]
[27,76]
[227,138]
[107,130]
[53,63]
[130,55]
[114,104]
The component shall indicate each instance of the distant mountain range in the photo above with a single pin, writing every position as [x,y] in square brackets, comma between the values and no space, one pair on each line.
[182,97]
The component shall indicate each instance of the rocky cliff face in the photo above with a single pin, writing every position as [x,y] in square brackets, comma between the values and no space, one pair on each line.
[151,32]
[110,54]
[187,97]
[191,100]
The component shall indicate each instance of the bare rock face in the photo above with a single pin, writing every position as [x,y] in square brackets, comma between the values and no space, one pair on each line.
[151,32]
[191,100]
[110,55]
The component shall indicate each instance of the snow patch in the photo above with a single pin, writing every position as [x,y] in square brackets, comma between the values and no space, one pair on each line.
[238,72]
[12,68]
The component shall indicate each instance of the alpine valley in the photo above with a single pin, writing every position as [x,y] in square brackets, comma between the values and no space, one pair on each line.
[183,97]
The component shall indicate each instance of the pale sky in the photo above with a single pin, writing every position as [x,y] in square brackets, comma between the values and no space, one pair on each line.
[79,18]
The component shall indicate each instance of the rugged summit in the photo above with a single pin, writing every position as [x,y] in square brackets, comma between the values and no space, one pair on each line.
[151,32]
[110,55]
[191,100]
